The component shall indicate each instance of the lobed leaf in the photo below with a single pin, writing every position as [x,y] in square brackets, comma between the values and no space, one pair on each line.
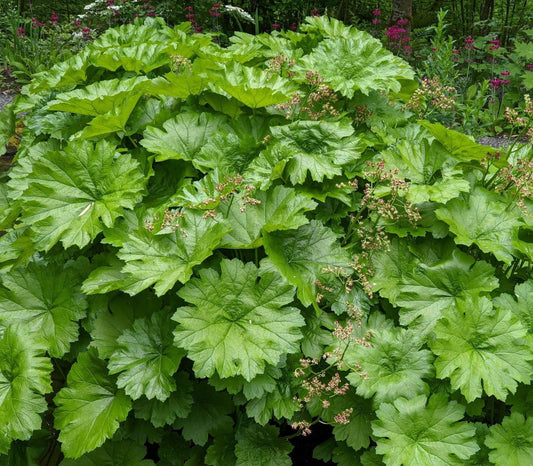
[482,350]
[45,300]
[90,407]
[73,194]
[24,378]
[412,432]
[146,358]
[238,324]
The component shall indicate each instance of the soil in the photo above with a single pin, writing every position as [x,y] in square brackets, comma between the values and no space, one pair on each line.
[8,83]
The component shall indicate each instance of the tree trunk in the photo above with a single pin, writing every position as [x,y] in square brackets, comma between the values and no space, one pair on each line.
[402,10]
[487,10]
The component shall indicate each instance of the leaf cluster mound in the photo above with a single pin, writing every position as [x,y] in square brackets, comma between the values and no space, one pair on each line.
[211,250]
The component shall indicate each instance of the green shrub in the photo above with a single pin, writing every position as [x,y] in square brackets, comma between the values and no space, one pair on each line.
[212,250]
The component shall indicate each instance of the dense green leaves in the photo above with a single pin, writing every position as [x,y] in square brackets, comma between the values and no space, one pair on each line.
[45,300]
[24,378]
[429,168]
[165,258]
[146,358]
[113,452]
[481,349]
[415,433]
[317,149]
[248,216]
[485,220]
[394,365]
[521,304]
[73,194]
[279,208]
[423,290]
[255,88]
[238,323]
[90,407]
[210,415]
[361,64]
[511,441]
[261,445]
[183,136]
[302,254]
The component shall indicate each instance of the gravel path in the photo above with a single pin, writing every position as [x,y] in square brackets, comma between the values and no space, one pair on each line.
[5,99]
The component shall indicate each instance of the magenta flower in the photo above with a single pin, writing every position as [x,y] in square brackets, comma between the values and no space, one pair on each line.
[20,32]
[377,12]
[402,22]
[469,43]
[495,83]
[505,73]
[495,44]
[276,26]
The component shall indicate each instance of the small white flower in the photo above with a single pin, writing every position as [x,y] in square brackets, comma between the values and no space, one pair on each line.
[239,12]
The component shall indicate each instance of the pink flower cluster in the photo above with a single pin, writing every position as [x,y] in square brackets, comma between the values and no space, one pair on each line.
[377,14]
[497,82]
[190,17]
[87,33]
[395,32]
[399,36]
[213,12]
[469,43]
[36,23]
[495,44]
